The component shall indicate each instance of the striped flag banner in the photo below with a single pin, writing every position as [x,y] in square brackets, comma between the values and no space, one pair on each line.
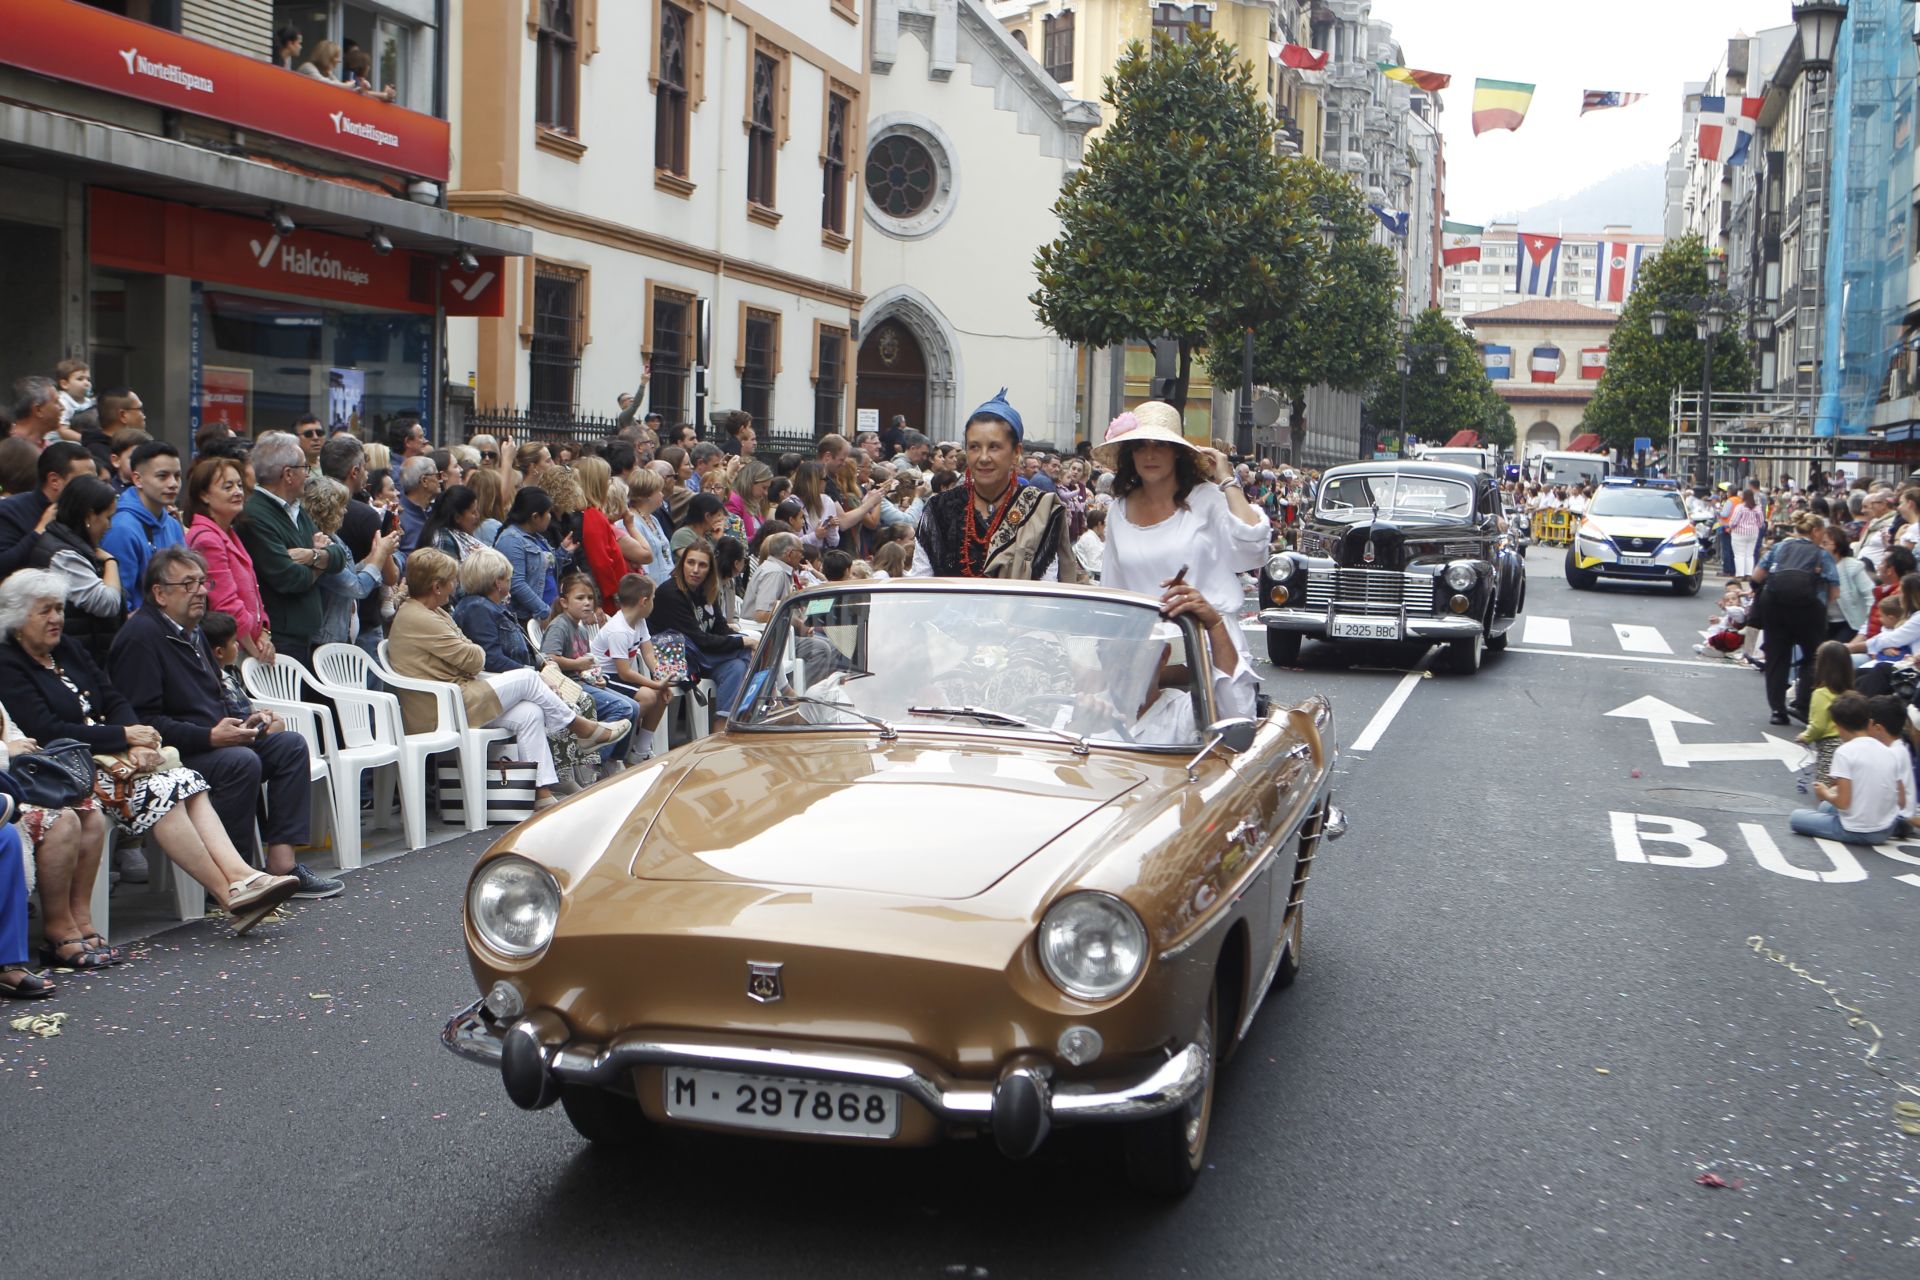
[1727,126]
[1601,99]
[1546,364]
[1593,362]
[1460,242]
[1299,56]
[1619,268]
[1500,104]
[1431,81]
[1498,361]
[1539,265]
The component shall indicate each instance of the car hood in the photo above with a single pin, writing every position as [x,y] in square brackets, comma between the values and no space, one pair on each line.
[843,811]
[1662,527]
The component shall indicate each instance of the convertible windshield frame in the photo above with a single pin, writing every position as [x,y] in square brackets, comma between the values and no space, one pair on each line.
[780,628]
[1393,482]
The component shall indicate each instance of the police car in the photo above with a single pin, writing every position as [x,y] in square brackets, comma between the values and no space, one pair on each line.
[1637,529]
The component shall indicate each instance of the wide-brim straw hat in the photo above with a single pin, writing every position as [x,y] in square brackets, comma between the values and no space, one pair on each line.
[1154,422]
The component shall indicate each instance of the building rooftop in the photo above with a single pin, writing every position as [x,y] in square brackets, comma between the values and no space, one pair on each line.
[1544,311]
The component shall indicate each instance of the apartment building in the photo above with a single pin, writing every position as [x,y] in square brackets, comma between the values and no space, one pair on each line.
[1583,274]
[237,233]
[686,171]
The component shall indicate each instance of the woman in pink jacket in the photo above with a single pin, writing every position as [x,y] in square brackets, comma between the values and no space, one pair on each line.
[216,493]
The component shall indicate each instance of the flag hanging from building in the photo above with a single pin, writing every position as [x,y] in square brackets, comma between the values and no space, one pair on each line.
[1300,56]
[1431,81]
[1619,268]
[1539,265]
[1498,362]
[1601,99]
[1500,104]
[1459,242]
[1546,364]
[1726,127]
[1593,362]
[1394,220]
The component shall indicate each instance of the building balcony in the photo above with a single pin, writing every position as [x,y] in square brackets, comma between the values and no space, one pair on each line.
[1379,119]
[1349,76]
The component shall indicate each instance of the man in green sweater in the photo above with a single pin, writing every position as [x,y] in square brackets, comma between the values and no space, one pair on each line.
[289,555]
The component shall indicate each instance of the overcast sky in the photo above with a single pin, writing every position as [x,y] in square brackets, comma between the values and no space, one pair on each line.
[1563,47]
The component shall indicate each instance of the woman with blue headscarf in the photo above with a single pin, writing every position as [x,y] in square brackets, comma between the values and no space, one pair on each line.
[992,525]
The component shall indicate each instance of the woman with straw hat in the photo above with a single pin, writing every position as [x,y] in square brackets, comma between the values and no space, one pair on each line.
[1181,527]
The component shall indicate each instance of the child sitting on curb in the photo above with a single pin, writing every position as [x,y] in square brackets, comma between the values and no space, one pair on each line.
[1863,802]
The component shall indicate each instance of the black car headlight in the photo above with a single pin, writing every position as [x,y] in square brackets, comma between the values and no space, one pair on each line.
[1461,577]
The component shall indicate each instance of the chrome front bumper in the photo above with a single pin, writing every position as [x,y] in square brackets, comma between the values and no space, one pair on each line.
[1316,622]
[536,1053]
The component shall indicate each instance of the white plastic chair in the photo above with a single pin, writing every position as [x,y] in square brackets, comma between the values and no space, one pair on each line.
[355,751]
[347,667]
[535,633]
[472,742]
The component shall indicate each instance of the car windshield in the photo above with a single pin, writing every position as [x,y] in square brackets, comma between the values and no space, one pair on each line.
[1108,671]
[1640,504]
[1353,497]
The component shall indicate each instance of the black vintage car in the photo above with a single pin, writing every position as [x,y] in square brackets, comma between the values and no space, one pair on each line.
[1398,551]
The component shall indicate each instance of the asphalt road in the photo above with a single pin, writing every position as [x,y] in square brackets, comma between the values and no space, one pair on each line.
[1518,1040]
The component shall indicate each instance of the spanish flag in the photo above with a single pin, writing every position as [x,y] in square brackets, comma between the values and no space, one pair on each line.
[1431,81]
[1500,104]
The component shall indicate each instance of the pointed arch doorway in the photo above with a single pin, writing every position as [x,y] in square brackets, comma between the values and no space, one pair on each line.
[892,374]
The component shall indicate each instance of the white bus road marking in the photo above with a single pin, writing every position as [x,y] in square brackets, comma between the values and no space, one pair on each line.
[1684,845]
[1544,630]
[1662,717]
[1639,639]
[1370,736]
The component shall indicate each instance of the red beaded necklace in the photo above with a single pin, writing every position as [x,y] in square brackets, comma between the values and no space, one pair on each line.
[969,539]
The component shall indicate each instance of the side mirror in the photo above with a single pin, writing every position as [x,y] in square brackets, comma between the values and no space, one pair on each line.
[1235,734]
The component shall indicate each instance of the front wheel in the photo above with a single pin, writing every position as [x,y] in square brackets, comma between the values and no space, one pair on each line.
[1689,585]
[1465,655]
[1165,1154]
[1283,647]
[602,1117]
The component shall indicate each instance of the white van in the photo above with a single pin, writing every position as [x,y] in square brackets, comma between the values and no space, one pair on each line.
[1572,468]
[1487,460]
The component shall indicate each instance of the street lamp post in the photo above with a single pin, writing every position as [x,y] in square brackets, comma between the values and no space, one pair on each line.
[1411,351]
[1711,311]
[1243,418]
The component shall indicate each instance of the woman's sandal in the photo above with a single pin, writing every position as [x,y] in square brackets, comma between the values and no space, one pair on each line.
[101,947]
[604,732]
[87,959]
[30,987]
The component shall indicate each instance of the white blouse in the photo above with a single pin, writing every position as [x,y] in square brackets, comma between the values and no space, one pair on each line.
[1215,545]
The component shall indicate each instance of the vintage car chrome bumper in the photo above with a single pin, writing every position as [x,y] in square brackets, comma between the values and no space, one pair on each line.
[1413,626]
[536,1053]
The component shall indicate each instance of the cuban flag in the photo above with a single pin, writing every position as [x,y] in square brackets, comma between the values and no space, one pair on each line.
[1538,264]
[1619,268]
[1593,362]
[1498,362]
[1727,127]
[1546,364]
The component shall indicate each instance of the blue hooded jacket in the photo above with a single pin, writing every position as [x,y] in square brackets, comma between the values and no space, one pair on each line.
[136,533]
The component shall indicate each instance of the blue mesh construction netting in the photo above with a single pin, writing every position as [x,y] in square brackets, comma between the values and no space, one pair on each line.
[1869,242]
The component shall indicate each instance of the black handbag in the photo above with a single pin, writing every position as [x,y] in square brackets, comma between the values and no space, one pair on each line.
[57,776]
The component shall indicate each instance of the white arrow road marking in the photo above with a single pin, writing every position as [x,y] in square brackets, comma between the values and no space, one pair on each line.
[1638,639]
[1661,717]
[1542,630]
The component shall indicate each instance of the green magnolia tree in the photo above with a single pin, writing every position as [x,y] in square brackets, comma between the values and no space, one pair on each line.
[1179,225]
[1634,397]
[1340,331]
[1438,405]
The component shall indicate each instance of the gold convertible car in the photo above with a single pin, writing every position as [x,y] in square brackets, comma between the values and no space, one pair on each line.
[970,859]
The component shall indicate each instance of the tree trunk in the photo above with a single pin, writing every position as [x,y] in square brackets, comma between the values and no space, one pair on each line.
[1297,431]
[1179,397]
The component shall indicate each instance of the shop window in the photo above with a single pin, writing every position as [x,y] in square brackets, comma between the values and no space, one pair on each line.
[1057,46]
[759,363]
[556,82]
[761,144]
[670,337]
[559,336]
[829,379]
[671,105]
[1173,20]
[833,160]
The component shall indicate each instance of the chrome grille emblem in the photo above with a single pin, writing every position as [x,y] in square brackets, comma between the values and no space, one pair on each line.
[1366,554]
[763,981]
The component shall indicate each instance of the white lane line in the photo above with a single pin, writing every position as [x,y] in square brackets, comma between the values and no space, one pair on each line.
[1544,630]
[1638,639]
[1634,657]
[1370,736]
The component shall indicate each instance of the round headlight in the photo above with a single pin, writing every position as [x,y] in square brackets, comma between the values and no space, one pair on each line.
[1280,568]
[514,905]
[1092,945]
[1461,577]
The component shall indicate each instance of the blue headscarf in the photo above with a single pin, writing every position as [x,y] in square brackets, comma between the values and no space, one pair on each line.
[999,408]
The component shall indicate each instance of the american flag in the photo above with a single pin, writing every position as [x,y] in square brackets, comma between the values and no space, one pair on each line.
[1601,99]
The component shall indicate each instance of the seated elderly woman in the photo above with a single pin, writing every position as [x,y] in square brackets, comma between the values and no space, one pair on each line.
[483,615]
[54,690]
[64,846]
[426,644]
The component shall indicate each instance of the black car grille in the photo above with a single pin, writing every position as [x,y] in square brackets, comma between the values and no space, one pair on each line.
[1369,590]
[1639,546]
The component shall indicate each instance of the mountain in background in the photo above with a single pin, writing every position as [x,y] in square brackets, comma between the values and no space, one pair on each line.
[1635,197]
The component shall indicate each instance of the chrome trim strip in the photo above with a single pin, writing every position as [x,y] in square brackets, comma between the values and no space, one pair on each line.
[1170,1086]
